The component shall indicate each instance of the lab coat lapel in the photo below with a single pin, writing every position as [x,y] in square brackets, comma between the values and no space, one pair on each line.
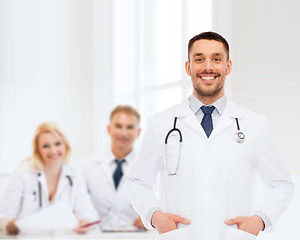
[63,181]
[231,112]
[103,160]
[107,168]
[184,111]
[44,189]
[129,158]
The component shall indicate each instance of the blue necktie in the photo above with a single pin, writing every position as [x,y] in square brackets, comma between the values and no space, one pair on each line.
[118,173]
[207,120]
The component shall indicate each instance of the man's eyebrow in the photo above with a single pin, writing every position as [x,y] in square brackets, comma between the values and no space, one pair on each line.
[214,54]
[197,54]
[218,54]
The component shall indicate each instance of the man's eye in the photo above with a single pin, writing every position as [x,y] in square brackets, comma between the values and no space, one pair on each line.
[217,59]
[198,60]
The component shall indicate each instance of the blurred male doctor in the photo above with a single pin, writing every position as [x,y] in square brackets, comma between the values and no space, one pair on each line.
[106,171]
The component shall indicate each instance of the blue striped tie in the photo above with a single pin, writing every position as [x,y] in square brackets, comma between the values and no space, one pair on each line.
[207,120]
[118,173]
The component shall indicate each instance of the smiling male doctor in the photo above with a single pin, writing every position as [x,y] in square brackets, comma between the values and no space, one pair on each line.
[206,188]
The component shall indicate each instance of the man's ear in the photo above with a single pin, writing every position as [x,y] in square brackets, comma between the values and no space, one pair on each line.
[139,132]
[108,129]
[229,67]
[188,68]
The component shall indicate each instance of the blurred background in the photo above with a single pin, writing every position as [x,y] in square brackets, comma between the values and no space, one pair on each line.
[72,61]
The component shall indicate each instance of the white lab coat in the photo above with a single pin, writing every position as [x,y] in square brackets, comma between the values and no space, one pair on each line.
[113,207]
[21,196]
[215,180]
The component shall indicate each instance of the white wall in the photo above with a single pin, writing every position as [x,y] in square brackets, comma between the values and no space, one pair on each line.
[264,40]
[54,65]
[102,92]
[265,48]
[35,73]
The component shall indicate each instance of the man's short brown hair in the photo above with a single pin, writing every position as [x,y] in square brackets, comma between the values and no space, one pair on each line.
[125,109]
[209,36]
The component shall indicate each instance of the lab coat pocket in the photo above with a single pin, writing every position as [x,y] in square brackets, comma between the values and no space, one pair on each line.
[236,165]
[178,234]
[232,233]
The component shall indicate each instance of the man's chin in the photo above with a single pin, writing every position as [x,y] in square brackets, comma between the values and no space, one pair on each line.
[208,92]
[123,145]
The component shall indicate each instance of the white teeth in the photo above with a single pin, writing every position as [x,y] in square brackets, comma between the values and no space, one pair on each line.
[208,78]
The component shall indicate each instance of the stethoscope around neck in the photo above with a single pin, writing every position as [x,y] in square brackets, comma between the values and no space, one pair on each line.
[239,137]
[174,129]
[40,188]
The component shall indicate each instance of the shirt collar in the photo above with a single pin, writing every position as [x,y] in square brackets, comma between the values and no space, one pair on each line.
[196,104]
[128,158]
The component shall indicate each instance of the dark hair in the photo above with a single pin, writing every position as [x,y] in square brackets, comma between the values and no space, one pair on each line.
[209,36]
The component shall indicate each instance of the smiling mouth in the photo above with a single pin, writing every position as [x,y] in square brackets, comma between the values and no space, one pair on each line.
[208,78]
[54,157]
[123,139]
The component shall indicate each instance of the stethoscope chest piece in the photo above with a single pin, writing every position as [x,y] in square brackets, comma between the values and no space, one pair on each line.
[239,137]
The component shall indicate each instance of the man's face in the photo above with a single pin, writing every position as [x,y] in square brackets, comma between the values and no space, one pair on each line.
[208,67]
[123,130]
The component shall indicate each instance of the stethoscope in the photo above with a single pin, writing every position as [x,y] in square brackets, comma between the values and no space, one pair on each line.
[40,188]
[239,137]
[174,129]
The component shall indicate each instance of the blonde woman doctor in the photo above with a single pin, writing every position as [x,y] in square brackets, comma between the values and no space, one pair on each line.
[45,179]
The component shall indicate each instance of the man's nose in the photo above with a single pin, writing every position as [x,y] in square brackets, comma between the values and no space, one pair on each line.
[208,66]
[124,131]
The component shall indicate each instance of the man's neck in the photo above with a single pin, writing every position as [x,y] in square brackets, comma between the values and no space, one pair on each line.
[120,153]
[207,100]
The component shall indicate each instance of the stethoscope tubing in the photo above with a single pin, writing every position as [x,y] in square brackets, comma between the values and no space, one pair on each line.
[40,188]
[239,137]
[40,194]
[172,130]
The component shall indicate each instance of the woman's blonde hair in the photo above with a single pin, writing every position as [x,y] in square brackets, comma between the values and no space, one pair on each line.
[47,127]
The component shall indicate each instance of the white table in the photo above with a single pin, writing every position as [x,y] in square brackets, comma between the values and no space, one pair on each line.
[92,235]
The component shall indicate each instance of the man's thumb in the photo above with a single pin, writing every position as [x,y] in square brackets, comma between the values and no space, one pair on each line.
[231,221]
[184,221]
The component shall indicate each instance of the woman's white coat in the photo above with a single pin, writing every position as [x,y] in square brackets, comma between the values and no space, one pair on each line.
[22,196]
